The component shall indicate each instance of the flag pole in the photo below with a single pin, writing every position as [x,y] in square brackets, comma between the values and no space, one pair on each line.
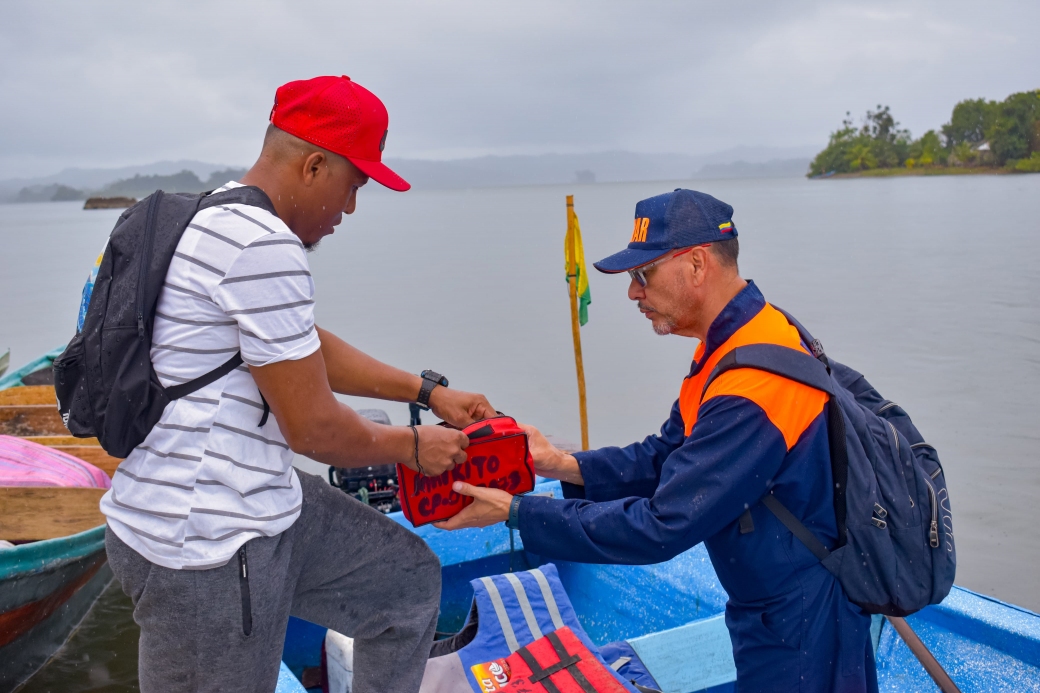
[572,281]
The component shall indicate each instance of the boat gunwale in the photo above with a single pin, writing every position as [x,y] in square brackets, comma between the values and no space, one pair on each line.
[39,556]
[14,378]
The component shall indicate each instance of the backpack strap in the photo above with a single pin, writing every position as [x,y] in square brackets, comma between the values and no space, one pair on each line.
[178,391]
[798,366]
[815,345]
[792,364]
[246,195]
[795,525]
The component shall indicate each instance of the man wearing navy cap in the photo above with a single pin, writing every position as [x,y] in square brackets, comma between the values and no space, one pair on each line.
[724,447]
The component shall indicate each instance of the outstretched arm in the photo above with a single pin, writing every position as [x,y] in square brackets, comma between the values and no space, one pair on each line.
[600,475]
[610,473]
[722,468]
[314,423]
[353,372]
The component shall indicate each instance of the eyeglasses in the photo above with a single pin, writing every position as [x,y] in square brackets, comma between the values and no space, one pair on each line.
[639,273]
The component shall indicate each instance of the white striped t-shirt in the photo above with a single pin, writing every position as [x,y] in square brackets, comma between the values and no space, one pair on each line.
[208,478]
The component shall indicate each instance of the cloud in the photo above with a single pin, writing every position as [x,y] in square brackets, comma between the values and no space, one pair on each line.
[115,83]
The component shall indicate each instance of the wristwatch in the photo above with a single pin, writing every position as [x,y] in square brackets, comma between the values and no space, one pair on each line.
[430,380]
[513,521]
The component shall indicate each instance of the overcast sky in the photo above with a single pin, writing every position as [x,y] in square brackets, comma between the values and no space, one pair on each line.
[105,83]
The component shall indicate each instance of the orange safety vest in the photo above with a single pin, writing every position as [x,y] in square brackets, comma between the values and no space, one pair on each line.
[790,406]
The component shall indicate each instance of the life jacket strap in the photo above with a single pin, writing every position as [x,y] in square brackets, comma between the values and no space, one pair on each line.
[540,674]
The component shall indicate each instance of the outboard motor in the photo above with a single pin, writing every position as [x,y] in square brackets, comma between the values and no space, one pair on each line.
[376,485]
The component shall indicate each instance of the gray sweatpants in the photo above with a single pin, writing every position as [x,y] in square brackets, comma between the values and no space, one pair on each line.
[342,565]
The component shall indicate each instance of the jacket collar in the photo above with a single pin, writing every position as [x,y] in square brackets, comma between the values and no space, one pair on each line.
[744,306]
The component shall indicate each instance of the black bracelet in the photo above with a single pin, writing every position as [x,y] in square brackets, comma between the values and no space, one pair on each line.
[415,434]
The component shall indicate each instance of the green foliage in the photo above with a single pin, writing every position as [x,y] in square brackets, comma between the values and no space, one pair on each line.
[927,151]
[963,154]
[1011,128]
[879,143]
[1030,165]
[970,120]
[1012,134]
[835,157]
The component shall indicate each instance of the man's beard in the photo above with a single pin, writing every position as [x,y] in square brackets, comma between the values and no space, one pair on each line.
[664,326]
[311,247]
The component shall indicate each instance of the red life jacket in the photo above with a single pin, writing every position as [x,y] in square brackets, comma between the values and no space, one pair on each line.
[556,663]
[497,457]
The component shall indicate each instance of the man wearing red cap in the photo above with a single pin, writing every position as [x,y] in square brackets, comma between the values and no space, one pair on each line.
[212,533]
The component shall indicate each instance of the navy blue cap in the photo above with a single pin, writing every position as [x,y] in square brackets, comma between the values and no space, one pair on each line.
[678,219]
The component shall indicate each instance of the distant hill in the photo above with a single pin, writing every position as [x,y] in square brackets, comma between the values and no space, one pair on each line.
[486,171]
[55,192]
[139,186]
[96,178]
[183,181]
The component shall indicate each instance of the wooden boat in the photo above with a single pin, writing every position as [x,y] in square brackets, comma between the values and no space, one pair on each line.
[672,615]
[48,584]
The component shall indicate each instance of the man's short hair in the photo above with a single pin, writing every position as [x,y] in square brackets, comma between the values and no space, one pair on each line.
[726,252]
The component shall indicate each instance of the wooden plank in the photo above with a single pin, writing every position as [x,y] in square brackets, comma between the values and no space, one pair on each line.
[53,441]
[33,394]
[95,455]
[692,657]
[31,420]
[48,512]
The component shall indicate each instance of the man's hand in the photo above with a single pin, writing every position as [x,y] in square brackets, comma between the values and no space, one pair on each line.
[550,461]
[490,505]
[440,449]
[459,408]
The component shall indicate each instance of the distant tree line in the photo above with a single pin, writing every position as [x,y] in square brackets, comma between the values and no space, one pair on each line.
[139,186]
[980,134]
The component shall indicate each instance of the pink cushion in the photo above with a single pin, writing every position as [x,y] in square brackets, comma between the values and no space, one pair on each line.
[25,463]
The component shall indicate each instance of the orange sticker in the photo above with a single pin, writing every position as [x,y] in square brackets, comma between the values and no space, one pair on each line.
[492,676]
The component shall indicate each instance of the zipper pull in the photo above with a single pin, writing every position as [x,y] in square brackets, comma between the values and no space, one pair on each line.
[881,512]
[933,535]
[140,325]
[242,561]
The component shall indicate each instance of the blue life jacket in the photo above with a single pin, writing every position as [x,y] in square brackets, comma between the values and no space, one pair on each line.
[508,612]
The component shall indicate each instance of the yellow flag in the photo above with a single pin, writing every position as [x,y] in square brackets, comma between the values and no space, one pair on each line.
[574,255]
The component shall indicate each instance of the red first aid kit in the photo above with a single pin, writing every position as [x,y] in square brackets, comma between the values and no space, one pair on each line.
[557,663]
[497,457]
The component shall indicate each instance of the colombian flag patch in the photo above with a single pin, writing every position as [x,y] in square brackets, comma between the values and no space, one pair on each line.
[726,227]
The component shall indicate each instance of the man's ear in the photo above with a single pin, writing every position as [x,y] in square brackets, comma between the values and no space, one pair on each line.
[698,262]
[312,166]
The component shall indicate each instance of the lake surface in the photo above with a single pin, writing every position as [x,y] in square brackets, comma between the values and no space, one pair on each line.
[926,285]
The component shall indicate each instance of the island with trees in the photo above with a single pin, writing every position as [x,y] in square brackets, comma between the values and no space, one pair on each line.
[981,137]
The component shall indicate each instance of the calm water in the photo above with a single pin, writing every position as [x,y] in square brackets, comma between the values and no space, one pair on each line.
[927,285]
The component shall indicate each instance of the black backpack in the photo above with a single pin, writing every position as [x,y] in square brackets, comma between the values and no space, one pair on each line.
[895,553]
[104,379]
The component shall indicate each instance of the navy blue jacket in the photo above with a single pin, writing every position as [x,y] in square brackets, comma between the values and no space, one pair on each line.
[792,626]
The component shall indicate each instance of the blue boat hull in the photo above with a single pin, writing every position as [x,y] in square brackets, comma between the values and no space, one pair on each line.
[671,613]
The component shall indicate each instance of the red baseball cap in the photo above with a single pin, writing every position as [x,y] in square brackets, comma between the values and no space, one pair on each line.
[341,116]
